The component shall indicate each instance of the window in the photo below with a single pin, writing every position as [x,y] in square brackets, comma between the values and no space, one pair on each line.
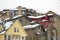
[16,13]
[17,29]
[22,38]
[9,37]
[14,29]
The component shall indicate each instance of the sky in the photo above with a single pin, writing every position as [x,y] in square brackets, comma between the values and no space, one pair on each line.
[41,6]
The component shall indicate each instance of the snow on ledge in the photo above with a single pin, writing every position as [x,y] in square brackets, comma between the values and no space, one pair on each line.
[3,32]
[31,26]
[16,16]
[8,24]
[33,21]
[44,20]
[50,14]
[37,16]
[7,18]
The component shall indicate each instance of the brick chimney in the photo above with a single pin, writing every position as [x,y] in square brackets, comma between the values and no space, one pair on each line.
[19,10]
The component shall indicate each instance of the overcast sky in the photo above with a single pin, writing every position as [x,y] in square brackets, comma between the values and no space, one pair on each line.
[39,5]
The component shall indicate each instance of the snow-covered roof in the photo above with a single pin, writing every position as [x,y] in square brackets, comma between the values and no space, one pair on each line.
[40,16]
[3,12]
[33,21]
[7,18]
[8,24]
[44,20]
[31,26]
[50,14]
[13,9]
[3,32]
[16,16]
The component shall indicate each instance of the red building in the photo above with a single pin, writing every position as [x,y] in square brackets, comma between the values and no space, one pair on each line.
[42,19]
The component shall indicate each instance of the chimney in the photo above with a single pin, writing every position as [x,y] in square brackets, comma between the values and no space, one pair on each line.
[7,13]
[19,10]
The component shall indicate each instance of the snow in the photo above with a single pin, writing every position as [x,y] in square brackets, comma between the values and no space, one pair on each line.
[38,33]
[37,16]
[13,9]
[50,14]
[31,26]
[3,32]
[7,18]
[33,21]
[16,16]
[3,12]
[44,20]
[8,24]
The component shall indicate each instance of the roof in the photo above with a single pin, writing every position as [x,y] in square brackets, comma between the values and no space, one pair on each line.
[2,32]
[31,26]
[40,16]
[49,14]
[13,17]
[8,24]
[16,16]
[7,18]
[44,20]
[33,21]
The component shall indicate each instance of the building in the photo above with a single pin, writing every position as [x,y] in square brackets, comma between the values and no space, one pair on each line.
[35,32]
[12,31]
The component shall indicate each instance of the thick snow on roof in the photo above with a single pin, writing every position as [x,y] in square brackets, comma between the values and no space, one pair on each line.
[31,26]
[13,9]
[50,14]
[3,32]
[40,16]
[3,12]
[44,20]
[16,16]
[7,18]
[37,16]
[33,21]
[8,24]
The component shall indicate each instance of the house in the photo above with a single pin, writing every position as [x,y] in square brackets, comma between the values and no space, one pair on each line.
[35,31]
[14,31]
[45,20]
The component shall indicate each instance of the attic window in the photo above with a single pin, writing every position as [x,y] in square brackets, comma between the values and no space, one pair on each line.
[14,29]
[17,29]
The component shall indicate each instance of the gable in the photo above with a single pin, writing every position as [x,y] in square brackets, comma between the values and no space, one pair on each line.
[1,28]
[17,25]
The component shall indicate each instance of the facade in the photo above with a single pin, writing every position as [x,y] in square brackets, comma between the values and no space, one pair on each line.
[14,31]
[21,17]
[35,32]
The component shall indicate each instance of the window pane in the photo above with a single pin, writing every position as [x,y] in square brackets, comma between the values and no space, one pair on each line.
[9,37]
[22,38]
[17,29]
[14,29]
